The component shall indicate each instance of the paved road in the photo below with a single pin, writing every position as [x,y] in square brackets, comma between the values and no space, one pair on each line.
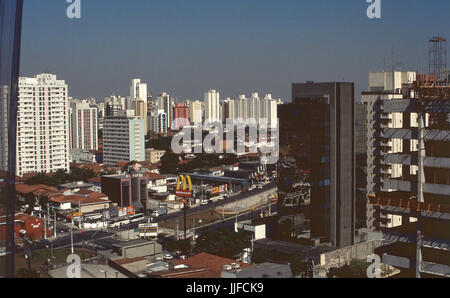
[198,208]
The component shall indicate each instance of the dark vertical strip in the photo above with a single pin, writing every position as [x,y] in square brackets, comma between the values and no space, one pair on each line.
[12,135]
[338,223]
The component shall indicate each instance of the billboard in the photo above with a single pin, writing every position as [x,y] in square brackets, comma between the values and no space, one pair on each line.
[148,230]
[182,187]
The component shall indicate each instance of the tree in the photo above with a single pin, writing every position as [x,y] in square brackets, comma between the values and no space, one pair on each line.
[169,163]
[183,245]
[356,269]
[223,243]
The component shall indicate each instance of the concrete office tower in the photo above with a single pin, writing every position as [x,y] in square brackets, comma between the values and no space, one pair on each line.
[317,162]
[123,138]
[228,109]
[211,101]
[361,165]
[140,111]
[159,122]
[165,102]
[42,125]
[386,86]
[4,93]
[83,126]
[196,112]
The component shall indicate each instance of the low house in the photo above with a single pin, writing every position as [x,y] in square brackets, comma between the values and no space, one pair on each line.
[25,225]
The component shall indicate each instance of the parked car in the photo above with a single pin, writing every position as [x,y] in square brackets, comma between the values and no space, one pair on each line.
[204,202]
[2,252]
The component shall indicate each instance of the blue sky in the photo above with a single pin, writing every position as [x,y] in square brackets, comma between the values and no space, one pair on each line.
[187,47]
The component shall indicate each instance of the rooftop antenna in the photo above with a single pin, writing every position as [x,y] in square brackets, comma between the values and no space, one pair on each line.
[437,58]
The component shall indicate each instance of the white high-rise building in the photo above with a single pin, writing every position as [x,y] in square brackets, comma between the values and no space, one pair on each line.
[138,91]
[83,126]
[42,125]
[384,87]
[123,138]
[196,112]
[4,93]
[159,122]
[165,102]
[212,106]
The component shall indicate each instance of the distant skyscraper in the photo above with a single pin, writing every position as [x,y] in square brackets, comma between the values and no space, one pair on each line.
[83,126]
[42,125]
[196,112]
[138,90]
[123,138]
[212,106]
[181,116]
[165,102]
[228,109]
[114,104]
[141,111]
[159,122]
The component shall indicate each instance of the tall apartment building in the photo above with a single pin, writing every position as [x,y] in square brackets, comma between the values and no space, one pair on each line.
[228,109]
[165,102]
[140,111]
[409,171]
[114,104]
[317,163]
[211,100]
[83,126]
[260,111]
[42,125]
[196,112]
[138,89]
[123,138]
[180,116]
[4,93]
[159,122]
[386,86]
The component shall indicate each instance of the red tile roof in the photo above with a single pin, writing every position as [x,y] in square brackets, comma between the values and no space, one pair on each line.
[26,189]
[154,176]
[76,199]
[211,264]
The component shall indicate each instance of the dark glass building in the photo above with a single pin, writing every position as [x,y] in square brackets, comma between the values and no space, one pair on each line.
[317,163]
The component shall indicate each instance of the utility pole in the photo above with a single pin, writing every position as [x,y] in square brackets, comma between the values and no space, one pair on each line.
[71,239]
[45,228]
[54,223]
[79,215]
[48,214]
[177,230]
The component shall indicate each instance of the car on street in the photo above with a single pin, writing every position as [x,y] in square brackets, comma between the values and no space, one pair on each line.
[2,252]
[167,257]
[204,202]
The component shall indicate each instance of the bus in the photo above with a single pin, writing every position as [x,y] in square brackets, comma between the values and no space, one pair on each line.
[115,223]
[136,217]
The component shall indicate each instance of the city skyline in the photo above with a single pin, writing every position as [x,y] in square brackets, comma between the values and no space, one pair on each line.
[235,48]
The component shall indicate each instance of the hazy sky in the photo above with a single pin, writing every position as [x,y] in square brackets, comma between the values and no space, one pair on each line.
[185,47]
